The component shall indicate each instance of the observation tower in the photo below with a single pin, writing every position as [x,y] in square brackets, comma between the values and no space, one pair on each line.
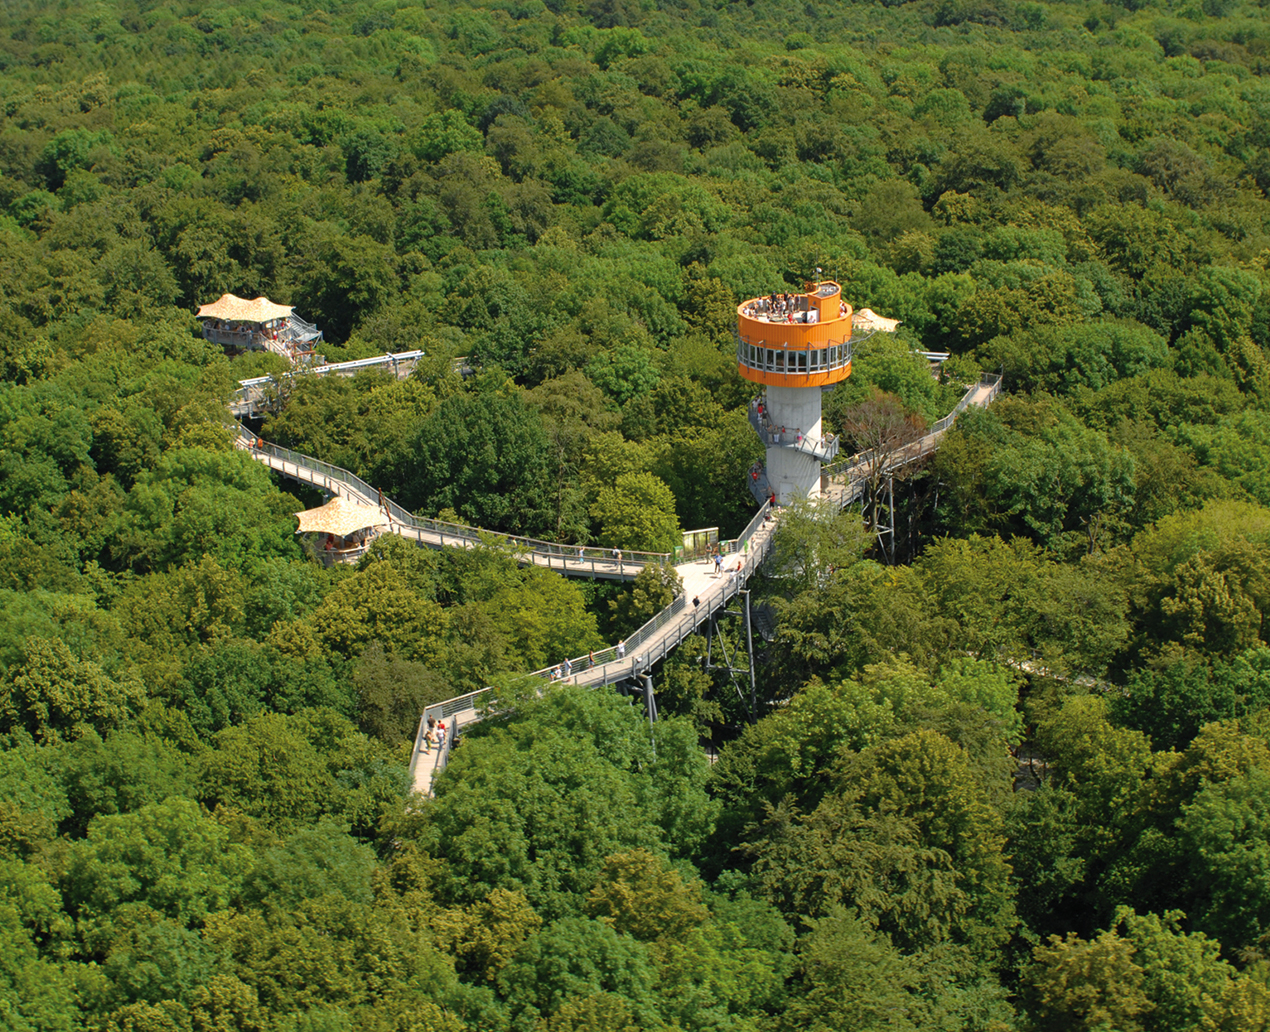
[794,345]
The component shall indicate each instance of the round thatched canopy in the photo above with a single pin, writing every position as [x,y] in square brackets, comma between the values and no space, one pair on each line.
[341,517]
[237,309]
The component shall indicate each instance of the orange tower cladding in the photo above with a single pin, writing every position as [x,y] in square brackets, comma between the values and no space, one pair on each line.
[794,345]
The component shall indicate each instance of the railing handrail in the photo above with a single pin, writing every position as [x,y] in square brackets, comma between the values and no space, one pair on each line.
[361,363]
[991,380]
[443,528]
[640,649]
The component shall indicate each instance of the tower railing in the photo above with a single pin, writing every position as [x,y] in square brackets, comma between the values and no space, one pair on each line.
[765,357]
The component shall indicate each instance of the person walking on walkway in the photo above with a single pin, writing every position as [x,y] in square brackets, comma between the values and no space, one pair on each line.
[718,562]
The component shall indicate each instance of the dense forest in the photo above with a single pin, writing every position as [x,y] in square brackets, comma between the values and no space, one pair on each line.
[1012,773]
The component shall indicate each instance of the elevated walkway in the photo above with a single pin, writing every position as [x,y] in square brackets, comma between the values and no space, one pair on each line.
[652,642]
[636,655]
[844,482]
[257,396]
[572,560]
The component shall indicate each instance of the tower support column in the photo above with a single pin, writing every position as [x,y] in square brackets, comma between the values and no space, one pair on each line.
[791,473]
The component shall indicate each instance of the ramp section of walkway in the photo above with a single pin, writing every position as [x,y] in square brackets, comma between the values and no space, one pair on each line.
[711,591]
[573,560]
[846,481]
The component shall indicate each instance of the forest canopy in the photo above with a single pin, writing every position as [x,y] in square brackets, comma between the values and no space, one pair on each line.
[1010,771]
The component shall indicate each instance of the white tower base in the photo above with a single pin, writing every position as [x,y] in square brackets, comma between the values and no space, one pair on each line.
[791,473]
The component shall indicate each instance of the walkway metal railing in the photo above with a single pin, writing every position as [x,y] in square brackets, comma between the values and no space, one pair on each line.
[927,443]
[990,380]
[388,358]
[648,645]
[251,392]
[571,558]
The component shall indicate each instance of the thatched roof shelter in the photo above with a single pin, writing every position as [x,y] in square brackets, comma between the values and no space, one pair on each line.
[867,319]
[341,517]
[237,309]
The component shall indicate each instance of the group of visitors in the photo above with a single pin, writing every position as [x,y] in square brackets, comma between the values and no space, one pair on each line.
[563,670]
[435,735]
[775,431]
[789,308]
[774,304]
[779,434]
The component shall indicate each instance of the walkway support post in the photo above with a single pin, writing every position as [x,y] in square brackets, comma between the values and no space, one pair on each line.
[749,649]
[651,705]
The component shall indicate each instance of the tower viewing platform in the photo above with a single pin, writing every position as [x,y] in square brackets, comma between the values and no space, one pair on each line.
[794,345]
